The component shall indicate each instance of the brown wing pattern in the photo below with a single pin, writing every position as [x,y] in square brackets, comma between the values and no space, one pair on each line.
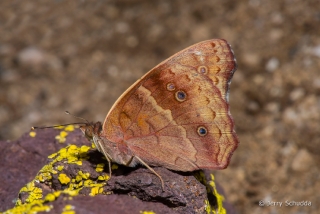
[177,115]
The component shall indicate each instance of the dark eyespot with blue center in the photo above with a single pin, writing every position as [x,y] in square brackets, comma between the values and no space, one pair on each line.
[181,96]
[202,131]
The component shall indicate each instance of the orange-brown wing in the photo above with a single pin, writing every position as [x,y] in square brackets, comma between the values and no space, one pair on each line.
[177,115]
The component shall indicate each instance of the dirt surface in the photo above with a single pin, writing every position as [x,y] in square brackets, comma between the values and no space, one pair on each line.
[80,56]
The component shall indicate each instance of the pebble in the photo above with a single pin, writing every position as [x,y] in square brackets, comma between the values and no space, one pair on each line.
[296,94]
[31,56]
[272,64]
[302,161]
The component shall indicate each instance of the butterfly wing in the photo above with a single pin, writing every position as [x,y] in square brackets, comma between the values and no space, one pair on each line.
[177,115]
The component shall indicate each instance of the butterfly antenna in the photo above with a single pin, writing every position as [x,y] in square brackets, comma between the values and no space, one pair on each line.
[76,116]
[46,127]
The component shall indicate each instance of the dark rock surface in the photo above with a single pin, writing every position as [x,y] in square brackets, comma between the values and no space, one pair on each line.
[129,190]
[21,160]
[102,204]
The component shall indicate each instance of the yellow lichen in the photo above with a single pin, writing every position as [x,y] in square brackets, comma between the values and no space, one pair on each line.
[96,190]
[60,168]
[73,150]
[114,166]
[100,167]
[76,162]
[62,136]
[78,178]
[87,182]
[211,189]
[93,145]
[207,207]
[44,176]
[84,151]
[69,128]
[58,127]
[68,212]
[103,177]
[68,209]
[71,192]
[147,212]
[60,139]
[52,196]
[84,175]
[53,155]
[35,193]
[64,179]
[220,198]
[32,134]
[62,154]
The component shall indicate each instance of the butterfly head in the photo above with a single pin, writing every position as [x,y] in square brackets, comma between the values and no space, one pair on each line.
[90,130]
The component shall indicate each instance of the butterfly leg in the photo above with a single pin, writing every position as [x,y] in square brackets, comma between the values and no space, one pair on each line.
[98,144]
[152,170]
[109,161]
[109,165]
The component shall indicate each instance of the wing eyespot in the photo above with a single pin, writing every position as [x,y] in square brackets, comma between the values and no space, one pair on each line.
[203,69]
[181,96]
[202,131]
[171,87]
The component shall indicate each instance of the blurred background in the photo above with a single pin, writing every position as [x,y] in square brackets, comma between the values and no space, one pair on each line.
[81,56]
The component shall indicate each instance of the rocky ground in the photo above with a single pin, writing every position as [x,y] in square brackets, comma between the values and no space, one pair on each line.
[80,56]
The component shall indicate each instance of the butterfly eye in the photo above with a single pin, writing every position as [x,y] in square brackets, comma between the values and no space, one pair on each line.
[202,131]
[170,87]
[181,96]
[202,69]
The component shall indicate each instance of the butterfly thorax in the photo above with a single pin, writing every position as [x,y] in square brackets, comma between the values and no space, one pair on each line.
[91,129]
[114,151]
[92,132]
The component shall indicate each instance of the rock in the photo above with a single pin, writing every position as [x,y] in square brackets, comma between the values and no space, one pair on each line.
[77,172]
[21,160]
[101,204]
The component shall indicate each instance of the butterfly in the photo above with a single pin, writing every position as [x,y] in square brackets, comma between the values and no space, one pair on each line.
[176,116]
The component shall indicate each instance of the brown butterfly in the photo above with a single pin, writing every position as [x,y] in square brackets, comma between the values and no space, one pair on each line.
[176,116]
